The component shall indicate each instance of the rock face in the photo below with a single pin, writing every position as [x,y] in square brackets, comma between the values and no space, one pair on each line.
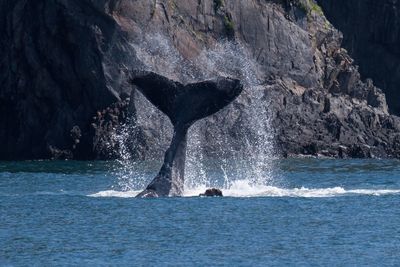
[64,90]
[372,36]
[60,63]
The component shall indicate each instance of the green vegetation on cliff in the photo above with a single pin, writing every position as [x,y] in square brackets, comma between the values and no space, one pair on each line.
[309,7]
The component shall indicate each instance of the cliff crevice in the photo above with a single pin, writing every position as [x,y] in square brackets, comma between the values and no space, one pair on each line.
[64,91]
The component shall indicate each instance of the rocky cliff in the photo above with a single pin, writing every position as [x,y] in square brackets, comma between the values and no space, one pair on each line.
[371,32]
[59,65]
[64,91]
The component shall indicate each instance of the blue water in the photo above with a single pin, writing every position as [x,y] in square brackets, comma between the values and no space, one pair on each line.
[314,212]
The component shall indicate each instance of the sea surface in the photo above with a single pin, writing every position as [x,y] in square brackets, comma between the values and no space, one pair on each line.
[310,212]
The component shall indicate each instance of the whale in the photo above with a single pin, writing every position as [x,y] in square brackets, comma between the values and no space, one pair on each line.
[184,104]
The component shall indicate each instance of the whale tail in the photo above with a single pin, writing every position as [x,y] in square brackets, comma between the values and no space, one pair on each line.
[184,105]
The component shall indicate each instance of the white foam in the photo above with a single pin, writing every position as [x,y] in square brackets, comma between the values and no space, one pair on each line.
[374,192]
[242,188]
[113,193]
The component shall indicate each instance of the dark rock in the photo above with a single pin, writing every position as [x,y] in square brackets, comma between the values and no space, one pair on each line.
[107,127]
[213,192]
[372,36]
[59,64]
[59,154]
[357,151]
[64,85]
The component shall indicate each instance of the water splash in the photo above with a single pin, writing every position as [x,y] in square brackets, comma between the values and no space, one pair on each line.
[126,168]
[238,140]
[244,145]
[129,170]
[158,54]
[241,188]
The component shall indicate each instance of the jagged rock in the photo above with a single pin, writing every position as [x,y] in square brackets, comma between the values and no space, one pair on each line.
[63,63]
[59,154]
[372,36]
[60,63]
[107,126]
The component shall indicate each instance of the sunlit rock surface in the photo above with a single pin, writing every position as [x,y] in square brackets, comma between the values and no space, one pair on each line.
[63,68]
[372,36]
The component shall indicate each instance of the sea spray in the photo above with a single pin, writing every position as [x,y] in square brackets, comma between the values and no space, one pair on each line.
[158,54]
[128,139]
[249,154]
[242,144]
[241,188]
[126,168]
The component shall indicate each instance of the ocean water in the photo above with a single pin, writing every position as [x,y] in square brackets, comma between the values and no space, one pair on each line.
[310,212]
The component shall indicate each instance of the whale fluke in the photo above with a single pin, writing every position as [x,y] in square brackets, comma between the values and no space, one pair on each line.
[183,104]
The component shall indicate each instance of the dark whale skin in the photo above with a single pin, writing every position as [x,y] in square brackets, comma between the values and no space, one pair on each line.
[184,105]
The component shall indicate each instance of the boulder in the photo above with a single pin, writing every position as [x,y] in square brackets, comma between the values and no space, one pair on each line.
[212,192]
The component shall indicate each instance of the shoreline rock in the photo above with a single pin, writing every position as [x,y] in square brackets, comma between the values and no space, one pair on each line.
[212,192]
[59,71]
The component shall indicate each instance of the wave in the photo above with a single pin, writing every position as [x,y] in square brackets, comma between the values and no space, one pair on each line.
[242,188]
[114,193]
[44,193]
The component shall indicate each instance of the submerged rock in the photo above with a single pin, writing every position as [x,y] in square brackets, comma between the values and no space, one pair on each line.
[212,192]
